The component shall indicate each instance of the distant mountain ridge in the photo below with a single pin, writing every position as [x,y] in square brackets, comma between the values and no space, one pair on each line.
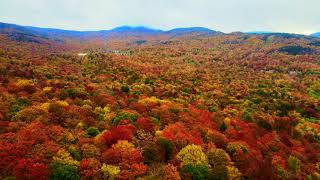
[126,36]
[8,29]
[135,29]
[317,34]
[260,32]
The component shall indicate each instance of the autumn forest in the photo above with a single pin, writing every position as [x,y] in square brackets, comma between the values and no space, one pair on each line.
[134,103]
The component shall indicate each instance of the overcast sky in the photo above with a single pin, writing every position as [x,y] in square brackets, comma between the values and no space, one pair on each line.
[297,16]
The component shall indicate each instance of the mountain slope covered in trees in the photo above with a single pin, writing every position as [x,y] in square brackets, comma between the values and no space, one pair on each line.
[144,104]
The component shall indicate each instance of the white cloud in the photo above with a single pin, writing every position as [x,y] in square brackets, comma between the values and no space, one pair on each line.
[225,15]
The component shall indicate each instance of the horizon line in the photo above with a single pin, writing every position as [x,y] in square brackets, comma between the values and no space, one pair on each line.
[159,29]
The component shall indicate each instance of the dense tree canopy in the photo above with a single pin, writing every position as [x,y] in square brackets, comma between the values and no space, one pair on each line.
[219,107]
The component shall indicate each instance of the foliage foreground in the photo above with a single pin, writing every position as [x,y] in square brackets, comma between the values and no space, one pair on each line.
[220,107]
